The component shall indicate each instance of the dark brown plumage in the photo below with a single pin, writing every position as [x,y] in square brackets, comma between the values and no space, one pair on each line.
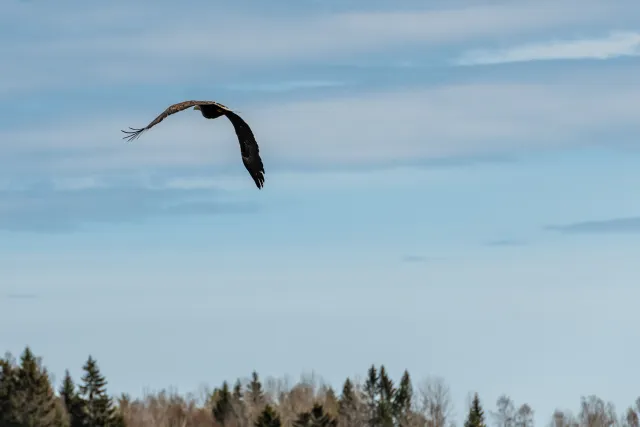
[212,110]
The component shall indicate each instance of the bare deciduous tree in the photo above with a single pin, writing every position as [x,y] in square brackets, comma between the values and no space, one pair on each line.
[524,416]
[631,418]
[594,412]
[563,419]
[505,415]
[435,402]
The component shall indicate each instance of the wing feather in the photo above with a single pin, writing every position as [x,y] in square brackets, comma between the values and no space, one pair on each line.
[248,148]
[172,109]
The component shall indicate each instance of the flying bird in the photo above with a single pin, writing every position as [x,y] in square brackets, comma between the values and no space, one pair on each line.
[212,110]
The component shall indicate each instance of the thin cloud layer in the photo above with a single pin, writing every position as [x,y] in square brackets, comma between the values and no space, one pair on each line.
[84,47]
[335,122]
[47,209]
[376,129]
[618,44]
[609,226]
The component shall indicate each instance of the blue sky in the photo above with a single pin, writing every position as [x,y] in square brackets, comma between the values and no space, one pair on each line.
[451,190]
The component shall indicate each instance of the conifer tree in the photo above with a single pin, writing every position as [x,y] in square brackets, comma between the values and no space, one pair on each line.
[387,392]
[254,396]
[237,390]
[315,418]
[476,414]
[268,418]
[33,398]
[223,407]
[98,405]
[238,404]
[371,392]
[8,371]
[118,419]
[71,401]
[402,401]
[348,405]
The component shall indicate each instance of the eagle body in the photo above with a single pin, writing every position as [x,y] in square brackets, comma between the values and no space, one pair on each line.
[209,111]
[212,110]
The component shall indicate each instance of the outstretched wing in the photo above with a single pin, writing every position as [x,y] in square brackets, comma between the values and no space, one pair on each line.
[175,108]
[248,148]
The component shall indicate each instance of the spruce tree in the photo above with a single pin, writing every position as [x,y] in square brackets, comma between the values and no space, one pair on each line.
[71,401]
[387,392]
[254,396]
[476,414]
[98,405]
[268,418]
[33,398]
[8,372]
[118,419]
[402,401]
[371,392]
[254,393]
[223,407]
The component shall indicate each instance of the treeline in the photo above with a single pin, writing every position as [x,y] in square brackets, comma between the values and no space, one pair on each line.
[28,399]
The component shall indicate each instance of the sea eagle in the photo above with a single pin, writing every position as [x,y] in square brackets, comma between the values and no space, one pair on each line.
[212,110]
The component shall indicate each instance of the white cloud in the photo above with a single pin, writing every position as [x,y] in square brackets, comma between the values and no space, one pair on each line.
[385,128]
[203,43]
[615,45]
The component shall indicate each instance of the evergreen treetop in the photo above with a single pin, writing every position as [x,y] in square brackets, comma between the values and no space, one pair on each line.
[268,418]
[316,417]
[223,407]
[33,393]
[254,393]
[476,414]
[98,405]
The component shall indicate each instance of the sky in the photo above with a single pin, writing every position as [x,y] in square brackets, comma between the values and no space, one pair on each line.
[450,189]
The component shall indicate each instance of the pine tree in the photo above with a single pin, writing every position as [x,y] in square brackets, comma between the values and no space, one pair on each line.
[223,407]
[476,414]
[33,399]
[402,401]
[98,405]
[71,401]
[268,418]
